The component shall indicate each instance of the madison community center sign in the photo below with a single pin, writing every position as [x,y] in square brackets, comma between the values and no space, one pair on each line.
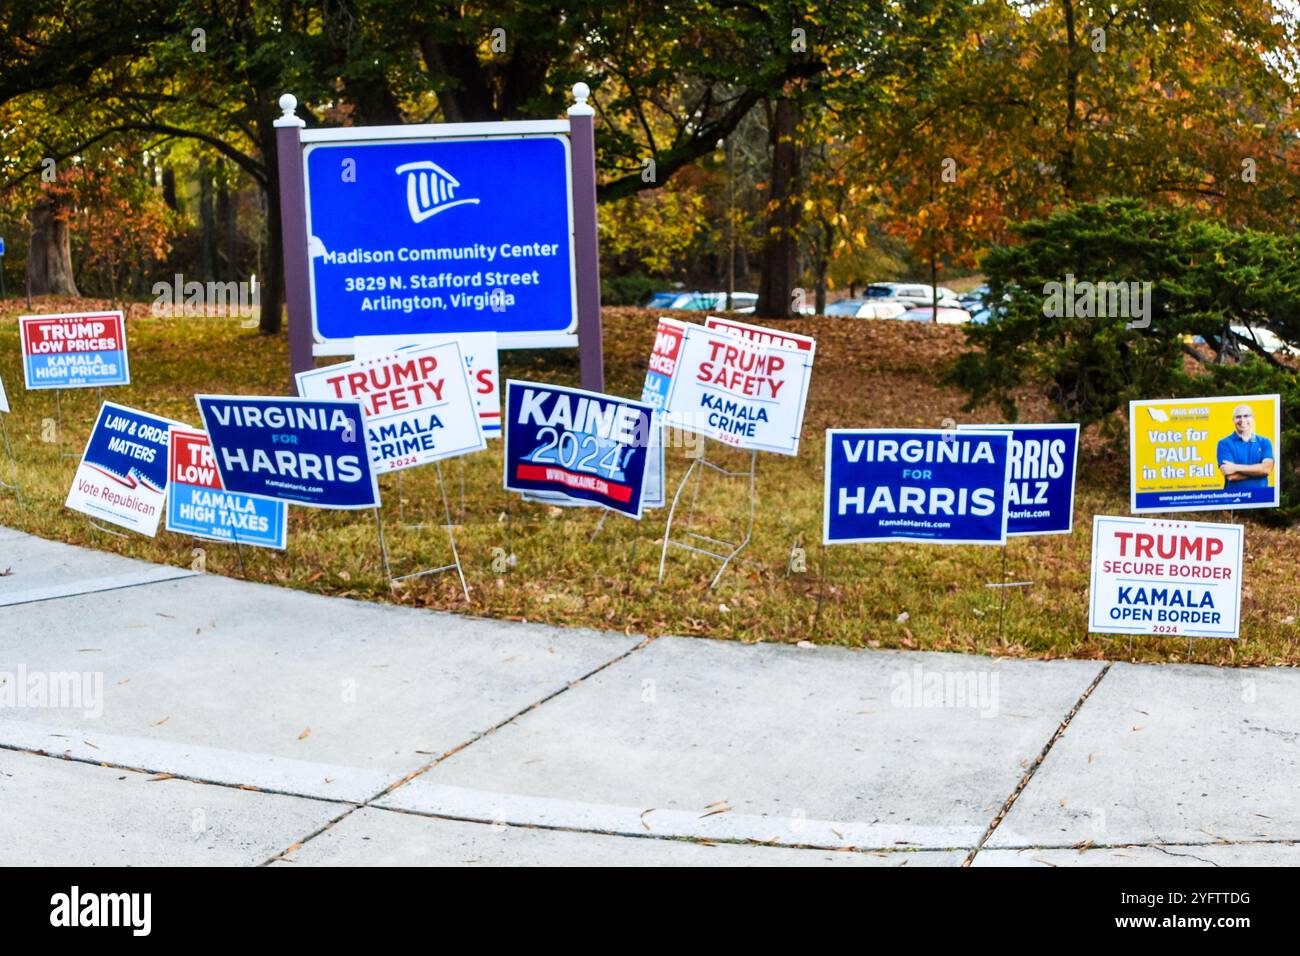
[442,229]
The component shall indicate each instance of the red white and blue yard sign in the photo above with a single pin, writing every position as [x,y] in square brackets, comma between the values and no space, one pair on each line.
[736,390]
[580,444]
[199,505]
[479,350]
[122,476]
[1181,578]
[74,350]
[761,334]
[416,402]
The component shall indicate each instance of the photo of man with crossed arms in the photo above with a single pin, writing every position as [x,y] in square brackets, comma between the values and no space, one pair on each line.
[1246,459]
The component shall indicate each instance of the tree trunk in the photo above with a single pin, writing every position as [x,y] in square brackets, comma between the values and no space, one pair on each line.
[228,231]
[780,256]
[169,188]
[1068,159]
[825,240]
[49,255]
[207,224]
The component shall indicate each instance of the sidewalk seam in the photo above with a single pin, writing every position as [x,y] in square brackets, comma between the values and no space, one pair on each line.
[677,838]
[458,748]
[185,576]
[1033,767]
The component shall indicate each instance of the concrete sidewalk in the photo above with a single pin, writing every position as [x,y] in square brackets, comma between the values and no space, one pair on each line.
[156,716]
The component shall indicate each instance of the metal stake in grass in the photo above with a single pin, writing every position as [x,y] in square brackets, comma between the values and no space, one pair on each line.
[1002,584]
[701,463]
[451,536]
[9,449]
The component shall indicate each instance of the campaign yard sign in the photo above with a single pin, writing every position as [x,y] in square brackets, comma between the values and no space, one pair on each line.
[737,391]
[199,505]
[481,365]
[580,444]
[652,494]
[122,476]
[74,350]
[664,355]
[441,236]
[4,399]
[1040,493]
[417,404]
[1205,454]
[313,452]
[761,334]
[923,485]
[1165,577]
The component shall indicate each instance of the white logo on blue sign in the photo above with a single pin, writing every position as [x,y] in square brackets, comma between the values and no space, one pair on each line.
[430,189]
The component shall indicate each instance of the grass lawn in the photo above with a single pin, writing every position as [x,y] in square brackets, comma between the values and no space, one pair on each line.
[566,570]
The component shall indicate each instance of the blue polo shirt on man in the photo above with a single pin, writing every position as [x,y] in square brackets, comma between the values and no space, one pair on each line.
[1240,452]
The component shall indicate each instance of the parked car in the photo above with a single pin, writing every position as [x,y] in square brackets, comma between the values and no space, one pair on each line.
[912,292]
[973,299]
[947,315]
[1266,339]
[867,308]
[703,301]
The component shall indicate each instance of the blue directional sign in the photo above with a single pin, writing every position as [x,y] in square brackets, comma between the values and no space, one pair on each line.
[945,487]
[312,452]
[441,236]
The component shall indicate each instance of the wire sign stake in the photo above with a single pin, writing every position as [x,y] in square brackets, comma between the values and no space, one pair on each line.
[696,471]
[450,528]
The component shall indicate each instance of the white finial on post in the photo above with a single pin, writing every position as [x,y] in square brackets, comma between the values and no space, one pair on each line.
[580,106]
[289,103]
